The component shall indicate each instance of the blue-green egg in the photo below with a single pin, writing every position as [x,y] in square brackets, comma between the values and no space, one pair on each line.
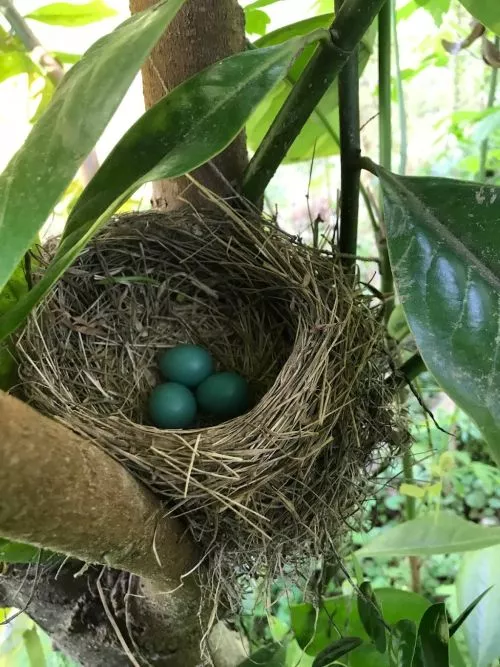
[187,364]
[223,395]
[172,405]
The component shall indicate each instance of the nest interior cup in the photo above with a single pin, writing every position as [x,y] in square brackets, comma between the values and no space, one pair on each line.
[282,477]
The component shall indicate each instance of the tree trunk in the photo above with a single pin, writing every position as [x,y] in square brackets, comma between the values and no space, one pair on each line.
[203,32]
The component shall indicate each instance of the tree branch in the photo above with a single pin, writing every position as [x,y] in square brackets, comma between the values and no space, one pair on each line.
[63,493]
[347,30]
[350,150]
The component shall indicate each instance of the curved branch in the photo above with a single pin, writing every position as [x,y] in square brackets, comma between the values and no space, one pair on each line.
[63,493]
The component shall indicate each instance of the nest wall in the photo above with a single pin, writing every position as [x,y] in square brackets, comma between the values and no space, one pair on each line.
[266,488]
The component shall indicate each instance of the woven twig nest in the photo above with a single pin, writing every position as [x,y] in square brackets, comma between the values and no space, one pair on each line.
[274,484]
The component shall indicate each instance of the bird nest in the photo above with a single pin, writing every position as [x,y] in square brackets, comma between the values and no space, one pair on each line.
[268,488]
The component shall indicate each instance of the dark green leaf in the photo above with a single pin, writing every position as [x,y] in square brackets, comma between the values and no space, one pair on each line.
[433,638]
[273,655]
[431,534]
[71,15]
[404,642]
[480,570]
[197,120]
[336,650]
[371,616]
[444,244]
[486,12]
[79,111]
[15,552]
[467,611]
[15,289]
[321,131]
[34,648]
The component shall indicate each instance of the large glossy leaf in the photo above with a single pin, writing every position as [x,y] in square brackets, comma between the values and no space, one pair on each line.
[197,120]
[478,571]
[444,245]
[431,534]
[79,111]
[71,15]
[433,638]
[316,136]
[486,12]
[457,623]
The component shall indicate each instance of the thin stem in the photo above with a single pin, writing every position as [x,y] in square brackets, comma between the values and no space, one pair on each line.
[385,138]
[411,513]
[350,150]
[483,154]
[403,126]
[347,30]
[48,65]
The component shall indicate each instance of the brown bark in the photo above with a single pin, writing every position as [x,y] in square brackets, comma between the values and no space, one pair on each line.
[62,492]
[66,604]
[203,32]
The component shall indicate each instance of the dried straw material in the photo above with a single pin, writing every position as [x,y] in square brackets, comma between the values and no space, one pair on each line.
[267,488]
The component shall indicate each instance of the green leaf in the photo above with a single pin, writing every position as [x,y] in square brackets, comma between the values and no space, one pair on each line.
[273,655]
[336,650]
[436,8]
[256,21]
[15,289]
[79,111]
[463,616]
[431,534]
[486,12]
[481,570]
[315,630]
[16,552]
[371,616]
[404,642]
[34,648]
[444,245]
[320,133]
[433,638]
[197,120]
[397,326]
[71,15]
[13,58]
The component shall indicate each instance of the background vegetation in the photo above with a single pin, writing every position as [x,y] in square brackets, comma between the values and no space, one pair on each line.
[445,122]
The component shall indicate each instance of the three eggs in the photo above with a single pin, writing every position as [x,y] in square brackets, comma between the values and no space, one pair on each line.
[193,385]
